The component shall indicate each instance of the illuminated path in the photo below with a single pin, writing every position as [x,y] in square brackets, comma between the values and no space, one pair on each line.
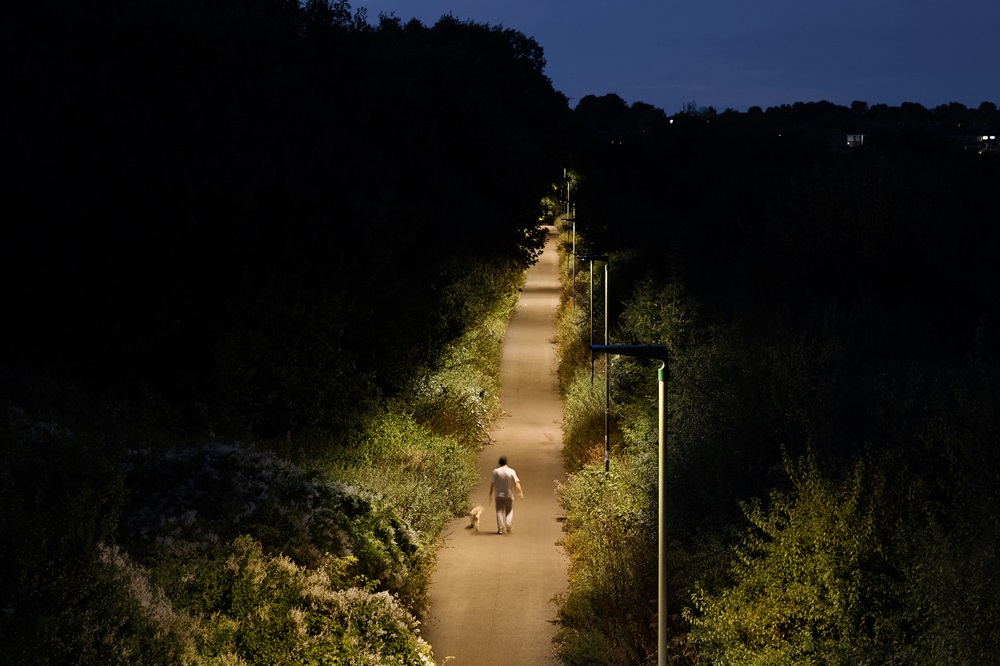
[491,596]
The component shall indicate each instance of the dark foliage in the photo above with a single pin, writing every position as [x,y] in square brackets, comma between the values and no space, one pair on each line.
[845,312]
[253,211]
[238,221]
[770,214]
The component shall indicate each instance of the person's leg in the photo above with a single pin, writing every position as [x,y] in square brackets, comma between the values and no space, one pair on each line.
[509,517]
[501,509]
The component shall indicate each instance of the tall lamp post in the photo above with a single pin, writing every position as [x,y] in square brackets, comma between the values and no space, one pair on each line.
[573,300]
[607,365]
[657,352]
[592,258]
[570,216]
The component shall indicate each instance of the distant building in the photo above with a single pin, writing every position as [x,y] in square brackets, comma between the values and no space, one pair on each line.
[981,143]
[839,140]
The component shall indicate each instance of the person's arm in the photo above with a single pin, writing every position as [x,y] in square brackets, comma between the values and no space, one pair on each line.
[491,491]
[520,492]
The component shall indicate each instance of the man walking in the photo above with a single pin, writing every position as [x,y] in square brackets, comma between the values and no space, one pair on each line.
[504,481]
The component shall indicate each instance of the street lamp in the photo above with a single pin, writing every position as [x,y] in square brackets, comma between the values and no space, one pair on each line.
[592,258]
[567,180]
[657,352]
[573,291]
[570,216]
[607,366]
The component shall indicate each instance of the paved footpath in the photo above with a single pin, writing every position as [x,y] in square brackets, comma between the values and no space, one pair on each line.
[491,596]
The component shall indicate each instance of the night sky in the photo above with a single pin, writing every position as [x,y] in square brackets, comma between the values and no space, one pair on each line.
[732,54]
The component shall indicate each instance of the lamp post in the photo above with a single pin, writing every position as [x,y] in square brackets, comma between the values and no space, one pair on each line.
[657,352]
[607,365]
[572,218]
[567,180]
[592,258]
[573,292]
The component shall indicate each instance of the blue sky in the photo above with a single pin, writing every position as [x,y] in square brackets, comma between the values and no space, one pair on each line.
[738,54]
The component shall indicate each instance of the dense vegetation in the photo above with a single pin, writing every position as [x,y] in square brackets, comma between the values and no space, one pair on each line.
[833,407]
[257,262]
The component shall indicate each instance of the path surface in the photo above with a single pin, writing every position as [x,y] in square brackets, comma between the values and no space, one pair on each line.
[491,596]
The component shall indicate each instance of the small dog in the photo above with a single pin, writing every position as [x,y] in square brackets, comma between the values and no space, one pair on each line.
[474,518]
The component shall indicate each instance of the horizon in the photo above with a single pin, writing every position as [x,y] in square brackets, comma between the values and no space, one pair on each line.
[730,56]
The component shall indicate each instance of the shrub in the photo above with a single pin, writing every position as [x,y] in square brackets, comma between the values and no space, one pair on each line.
[574,345]
[461,398]
[951,592]
[143,626]
[267,610]
[811,583]
[423,477]
[583,420]
[609,612]
[60,601]
[187,502]
[99,612]
[947,475]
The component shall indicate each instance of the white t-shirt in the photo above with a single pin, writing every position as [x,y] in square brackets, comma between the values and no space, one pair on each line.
[504,479]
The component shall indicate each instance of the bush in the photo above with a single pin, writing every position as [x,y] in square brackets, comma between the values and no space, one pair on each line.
[612,546]
[462,397]
[947,475]
[951,592]
[186,503]
[66,597]
[811,584]
[572,327]
[267,610]
[583,420]
[423,477]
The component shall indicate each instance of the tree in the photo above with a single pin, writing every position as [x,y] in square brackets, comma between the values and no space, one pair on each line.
[810,583]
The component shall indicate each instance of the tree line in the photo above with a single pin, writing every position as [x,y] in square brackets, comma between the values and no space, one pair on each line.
[832,393]
[192,183]
[256,261]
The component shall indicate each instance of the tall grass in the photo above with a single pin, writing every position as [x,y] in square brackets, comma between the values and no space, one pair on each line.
[611,542]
